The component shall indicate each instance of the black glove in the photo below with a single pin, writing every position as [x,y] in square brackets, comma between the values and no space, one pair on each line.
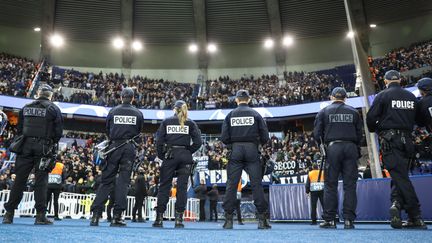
[359,152]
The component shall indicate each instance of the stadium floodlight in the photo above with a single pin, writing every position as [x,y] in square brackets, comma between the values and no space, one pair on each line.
[193,48]
[56,40]
[350,34]
[373,25]
[118,43]
[268,44]
[287,41]
[211,48]
[137,45]
[37,29]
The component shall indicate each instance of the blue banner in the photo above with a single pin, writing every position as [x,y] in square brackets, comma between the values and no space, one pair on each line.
[196,115]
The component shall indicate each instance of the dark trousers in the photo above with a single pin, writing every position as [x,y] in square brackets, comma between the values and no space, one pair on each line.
[213,210]
[341,160]
[180,164]
[396,162]
[25,162]
[120,161]
[202,216]
[56,192]
[244,157]
[110,205]
[315,196]
[139,201]
[238,210]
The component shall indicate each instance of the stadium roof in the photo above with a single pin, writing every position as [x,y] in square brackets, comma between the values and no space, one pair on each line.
[227,21]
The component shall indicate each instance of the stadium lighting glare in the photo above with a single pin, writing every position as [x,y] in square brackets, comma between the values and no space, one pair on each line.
[287,41]
[137,46]
[118,43]
[211,48]
[373,25]
[268,44]
[193,48]
[37,29]
[56,40]
[350,34]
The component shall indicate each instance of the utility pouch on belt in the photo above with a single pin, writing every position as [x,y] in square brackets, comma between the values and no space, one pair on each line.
[17,144]
[385,139]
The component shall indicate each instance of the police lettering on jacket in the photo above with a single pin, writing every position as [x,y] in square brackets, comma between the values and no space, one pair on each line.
[125,120]
[177,129]
[402,104]
[349,118]
[33,111]
[242,121]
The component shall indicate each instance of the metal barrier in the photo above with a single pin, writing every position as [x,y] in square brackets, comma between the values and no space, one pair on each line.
[78,206]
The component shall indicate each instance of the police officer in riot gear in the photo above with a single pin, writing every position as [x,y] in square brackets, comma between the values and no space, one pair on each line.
[243,130]
[339,127]
[392,116]
[123,123]
[173,144]
[424,111]
[41,125]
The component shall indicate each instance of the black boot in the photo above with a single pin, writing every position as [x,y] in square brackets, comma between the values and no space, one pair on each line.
[56,218]
[141,220]
[314,222]
[415,223]
[240,222]
[267,221]
[41,219]
[134,219]
[228,221]
[158,223]
[349,224]
[95,219]
[179,220]
[263,222]
[8,217]
[328,224]
[118,221]
[395,216]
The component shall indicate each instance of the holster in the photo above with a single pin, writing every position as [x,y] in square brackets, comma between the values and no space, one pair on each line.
[168,152]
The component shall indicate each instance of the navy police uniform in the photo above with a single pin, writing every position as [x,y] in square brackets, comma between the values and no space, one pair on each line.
[339,126]
[392,116]
[424,111]
[243,130]
[122,123]
[175,145]
[41,124]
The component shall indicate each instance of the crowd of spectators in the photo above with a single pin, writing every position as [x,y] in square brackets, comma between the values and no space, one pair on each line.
[294,88]
[402,59]
[16,74]
[149,93]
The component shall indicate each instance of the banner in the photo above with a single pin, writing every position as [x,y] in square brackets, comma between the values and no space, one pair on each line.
[290,168]
[219,177]
[202,162]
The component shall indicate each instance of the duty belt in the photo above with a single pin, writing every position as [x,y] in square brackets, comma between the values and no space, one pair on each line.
[394,132]
[177,147]
[338,141]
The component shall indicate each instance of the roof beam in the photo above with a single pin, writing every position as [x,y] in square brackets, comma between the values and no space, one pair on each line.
[48,15]
[276,32]
[126,32]
[200,22]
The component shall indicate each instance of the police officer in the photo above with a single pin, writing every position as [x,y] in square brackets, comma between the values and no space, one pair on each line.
[315,190]
[141,187]
[41,124]
[243,130]
[424,111]
[122,123]
[392,115]
[173,144]
[339,127]
[55,184]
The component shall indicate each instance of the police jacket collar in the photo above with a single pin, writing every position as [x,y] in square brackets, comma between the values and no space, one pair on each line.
[42,98]
[393,85]
[338,102]
[243,105]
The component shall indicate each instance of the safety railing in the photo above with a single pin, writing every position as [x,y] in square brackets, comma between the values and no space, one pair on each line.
[78,206]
